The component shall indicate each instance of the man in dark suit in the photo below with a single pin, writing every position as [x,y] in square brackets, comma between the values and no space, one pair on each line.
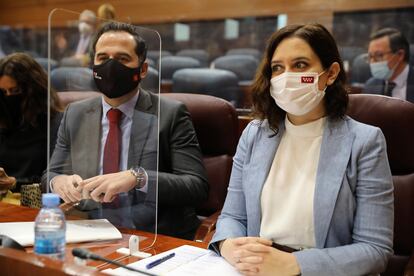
[389,55]
[86,165]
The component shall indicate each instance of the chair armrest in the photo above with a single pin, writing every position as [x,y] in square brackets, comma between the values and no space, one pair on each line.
[409,269]
[208,225]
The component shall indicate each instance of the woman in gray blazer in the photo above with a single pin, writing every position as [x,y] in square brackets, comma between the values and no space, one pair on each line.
[311,189]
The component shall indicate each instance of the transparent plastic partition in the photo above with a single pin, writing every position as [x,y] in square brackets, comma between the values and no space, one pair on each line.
[80,145]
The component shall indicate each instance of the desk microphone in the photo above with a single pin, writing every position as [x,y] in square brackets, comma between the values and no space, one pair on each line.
[86,254]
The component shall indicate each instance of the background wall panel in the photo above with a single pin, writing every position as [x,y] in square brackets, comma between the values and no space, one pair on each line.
[34,13]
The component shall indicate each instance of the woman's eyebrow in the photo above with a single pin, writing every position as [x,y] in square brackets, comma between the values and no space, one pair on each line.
[295,59]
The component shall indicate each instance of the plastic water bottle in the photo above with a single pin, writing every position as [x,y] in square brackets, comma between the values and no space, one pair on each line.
[50,229]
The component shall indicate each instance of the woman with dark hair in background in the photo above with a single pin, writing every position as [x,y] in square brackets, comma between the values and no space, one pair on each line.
[311,189]
[23,121]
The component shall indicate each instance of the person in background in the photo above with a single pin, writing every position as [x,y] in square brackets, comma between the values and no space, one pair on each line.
[81,164]
[23,120]
[87,27]
[106,12]
[311,191]
[60,48]
[389,55]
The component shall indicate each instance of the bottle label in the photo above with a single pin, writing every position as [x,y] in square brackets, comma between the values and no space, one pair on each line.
[52,247]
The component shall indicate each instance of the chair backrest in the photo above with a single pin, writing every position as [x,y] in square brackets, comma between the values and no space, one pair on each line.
[151,81]
[395,117]
[170,64]
[215,122]
[73,79]
[244,66]
[68,97]
[360,71]
[43,62]
[71,62]
[155,55]
[215,82]
[245,51]
[199,54]
[151,62]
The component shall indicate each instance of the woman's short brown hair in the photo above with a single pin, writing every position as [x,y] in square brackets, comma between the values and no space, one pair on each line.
[324,46]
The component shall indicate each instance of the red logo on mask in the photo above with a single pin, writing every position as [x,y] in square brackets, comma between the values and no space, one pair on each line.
[307,79]
[135,78]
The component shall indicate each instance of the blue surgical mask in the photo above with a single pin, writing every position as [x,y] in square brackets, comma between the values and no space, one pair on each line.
[380,70]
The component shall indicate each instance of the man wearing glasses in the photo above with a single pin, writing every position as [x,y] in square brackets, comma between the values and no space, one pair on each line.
[388,57]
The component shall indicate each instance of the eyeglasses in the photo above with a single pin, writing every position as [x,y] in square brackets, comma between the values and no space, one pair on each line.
[377,56]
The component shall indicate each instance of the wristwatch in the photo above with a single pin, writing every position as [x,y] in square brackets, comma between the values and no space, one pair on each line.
[141,176]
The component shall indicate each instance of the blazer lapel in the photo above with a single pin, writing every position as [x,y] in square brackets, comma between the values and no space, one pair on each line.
[144,127]
[260,164]
[93,134]
[333,160]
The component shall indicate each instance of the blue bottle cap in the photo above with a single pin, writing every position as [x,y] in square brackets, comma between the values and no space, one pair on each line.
[50,200]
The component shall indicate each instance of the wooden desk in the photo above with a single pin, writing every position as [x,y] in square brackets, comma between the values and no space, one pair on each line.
[13,213]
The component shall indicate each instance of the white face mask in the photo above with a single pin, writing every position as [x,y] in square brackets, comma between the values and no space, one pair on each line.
[85,28]
[296,93]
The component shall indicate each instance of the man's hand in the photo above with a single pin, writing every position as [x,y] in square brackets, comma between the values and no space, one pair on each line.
[259,258]
[6,182]
[104,188]
[66,187]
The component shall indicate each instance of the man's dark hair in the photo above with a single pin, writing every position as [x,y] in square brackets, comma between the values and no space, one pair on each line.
[397,40]
[140,48]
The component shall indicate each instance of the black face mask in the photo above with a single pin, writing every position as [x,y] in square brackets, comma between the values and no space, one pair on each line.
[114,79]
[12,109]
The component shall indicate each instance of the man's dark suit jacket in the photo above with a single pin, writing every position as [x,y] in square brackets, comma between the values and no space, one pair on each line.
[376,86]
[182,181]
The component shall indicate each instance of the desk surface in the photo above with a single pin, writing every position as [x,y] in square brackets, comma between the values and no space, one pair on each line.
[13,213]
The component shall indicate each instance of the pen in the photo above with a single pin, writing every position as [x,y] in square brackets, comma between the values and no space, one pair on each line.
[160,261]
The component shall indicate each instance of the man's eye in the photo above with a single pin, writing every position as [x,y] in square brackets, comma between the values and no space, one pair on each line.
[123,59]
[102,58]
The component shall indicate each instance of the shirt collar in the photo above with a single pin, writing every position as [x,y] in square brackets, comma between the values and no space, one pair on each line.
[127,108]
[311,129]
[401,79]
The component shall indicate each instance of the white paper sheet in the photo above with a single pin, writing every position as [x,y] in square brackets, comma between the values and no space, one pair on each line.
[188,260]
[76,231]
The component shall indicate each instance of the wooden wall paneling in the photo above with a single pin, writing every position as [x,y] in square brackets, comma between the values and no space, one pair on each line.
[323,17]
[35,12]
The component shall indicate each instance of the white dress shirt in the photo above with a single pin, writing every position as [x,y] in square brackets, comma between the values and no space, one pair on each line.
[127,110]
[400,89]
